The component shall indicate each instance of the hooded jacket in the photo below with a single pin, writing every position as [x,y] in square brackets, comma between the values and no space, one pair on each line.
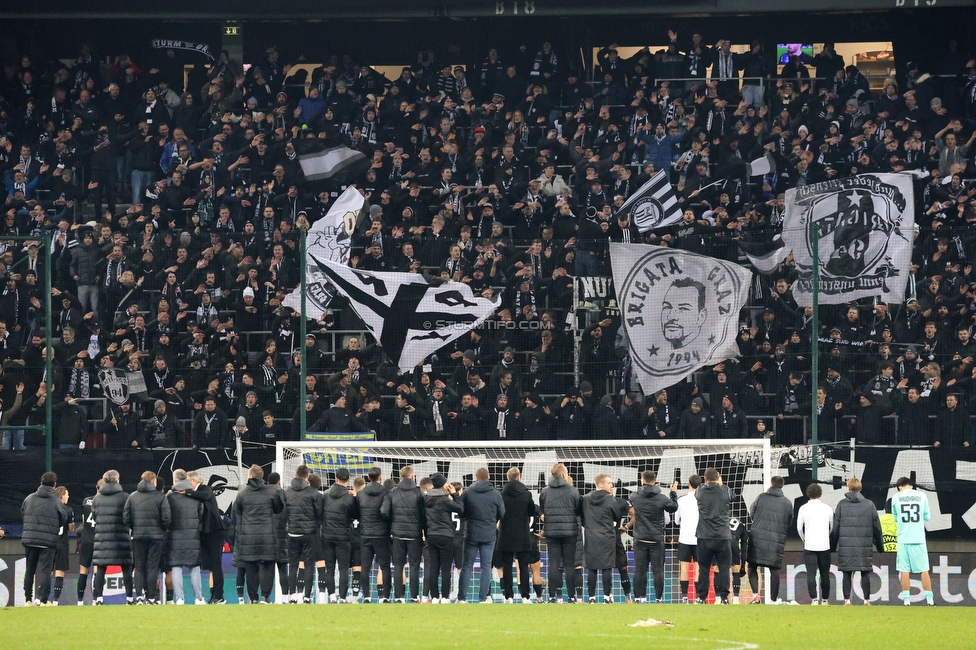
[147,513]
[601,512]
[183,548]
[254,520]
[772,514]
[483,509]
[649,504]
[373,524]
[43,518]
[339,510]
[404,506]
[112,544]
[515,536]
[560,505]
[304,506]
[856,528]
[441,509]
[713,511]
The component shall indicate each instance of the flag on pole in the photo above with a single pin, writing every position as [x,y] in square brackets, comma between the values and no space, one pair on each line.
[410,318]
[765,257]
[329,238]
[865,229]
[761,166]
[330,159]
[680,310]
[654,205]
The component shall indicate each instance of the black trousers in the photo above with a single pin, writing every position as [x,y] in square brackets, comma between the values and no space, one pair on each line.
[336,552]
[39,560]
[508,587]
[648,552]
[378,547]
[606,575]
[719,551]
[259,575]
[300,549]
[814,561]
[212,545]
[562,556]
[407,551]
[773,587]
[147,555]
[98,585]
[440,554]
[105,191]
[865,584]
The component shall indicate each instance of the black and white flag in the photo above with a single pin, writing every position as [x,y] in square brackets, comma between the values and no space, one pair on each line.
[680,310]
[864,227]
[654,205]
[120,385]
[329,238]
[410,318]
[330,160]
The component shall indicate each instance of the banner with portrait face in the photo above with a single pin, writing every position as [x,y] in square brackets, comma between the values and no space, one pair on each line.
[680,310]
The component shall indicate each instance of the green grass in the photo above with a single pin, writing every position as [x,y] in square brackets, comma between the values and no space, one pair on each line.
[698,627]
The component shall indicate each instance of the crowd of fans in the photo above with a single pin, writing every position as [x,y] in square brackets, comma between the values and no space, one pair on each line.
[507,175]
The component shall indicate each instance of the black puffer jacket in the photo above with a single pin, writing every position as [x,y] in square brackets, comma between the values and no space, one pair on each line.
[601,512]
[772,514]
[650,504]
[112,543]
[43,518]
[183,540]
[856,529]
[373,523]
[515,536]
[147,513]
[256,539]
[439,508]
[405,507]
[281,528]
[304,506]
[560,504]
[340,509]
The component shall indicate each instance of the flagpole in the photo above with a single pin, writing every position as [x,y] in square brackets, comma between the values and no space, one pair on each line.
[48,355]
[303,329]
[815,349]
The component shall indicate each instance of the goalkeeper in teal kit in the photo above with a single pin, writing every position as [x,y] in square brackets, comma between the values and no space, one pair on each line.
[910,508]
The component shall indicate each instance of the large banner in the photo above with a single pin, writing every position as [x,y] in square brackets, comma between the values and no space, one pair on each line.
[329,238]
[680,310]
[410,318]
[864,229]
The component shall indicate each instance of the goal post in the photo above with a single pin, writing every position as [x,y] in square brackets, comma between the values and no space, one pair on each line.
[745,466]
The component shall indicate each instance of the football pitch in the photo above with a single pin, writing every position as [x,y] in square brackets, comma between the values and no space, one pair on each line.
[698,627]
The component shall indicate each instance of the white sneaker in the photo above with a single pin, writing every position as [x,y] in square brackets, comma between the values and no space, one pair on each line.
[591,600]
[81,445]
[178,601]
[487,601]
[401,601]
[608,600]
[425,600]
[509,601]
[445,601]
[199,601]
[322,598]
[352,600]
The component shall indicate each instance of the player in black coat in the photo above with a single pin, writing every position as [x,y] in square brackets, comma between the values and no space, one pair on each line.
[211,536]
[771,514]
[647,507]
[43,518]
[515,538]
[600,514]
[112,543]
[340,509]
[443,506]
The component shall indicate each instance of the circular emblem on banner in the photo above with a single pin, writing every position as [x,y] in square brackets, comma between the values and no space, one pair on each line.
[648,211]
[678,309]
[854,227]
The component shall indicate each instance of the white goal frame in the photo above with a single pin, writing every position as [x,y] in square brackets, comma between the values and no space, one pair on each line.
[621,450]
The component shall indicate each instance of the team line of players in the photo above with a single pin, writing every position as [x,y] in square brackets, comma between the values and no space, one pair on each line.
[300,529]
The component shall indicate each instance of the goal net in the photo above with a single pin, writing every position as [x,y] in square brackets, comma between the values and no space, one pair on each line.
[745,467]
